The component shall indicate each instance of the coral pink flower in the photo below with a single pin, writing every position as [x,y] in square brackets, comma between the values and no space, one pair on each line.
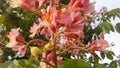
[48,1]
[25,4]
[35,29]
[12,37]
[42,65]
[68,19]
[59,60]
[99,45]
[49,58]
[20,47]
[81,33]
[46,31]
[49,20]
[82,6]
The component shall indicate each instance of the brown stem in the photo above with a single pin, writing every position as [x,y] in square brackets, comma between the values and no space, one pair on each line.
[51,2]
[53,44]
[31,41]
[2,43]
[48,63]
[81,48]
[66,50]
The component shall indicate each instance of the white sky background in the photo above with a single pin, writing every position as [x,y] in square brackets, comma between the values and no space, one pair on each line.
[113,36]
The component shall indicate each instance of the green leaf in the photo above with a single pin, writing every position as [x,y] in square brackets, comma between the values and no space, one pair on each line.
[10,64]
[91,59]
[102,55]
[117,27]
[105,27]
[75,63]
[27,63]
[113,64]
[111,26]
[109,56]
[100,66]
[96,59]
[23,63]
[112,13]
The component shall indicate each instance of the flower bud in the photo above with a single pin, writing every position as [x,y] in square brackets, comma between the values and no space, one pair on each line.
[47,47]
[35,51]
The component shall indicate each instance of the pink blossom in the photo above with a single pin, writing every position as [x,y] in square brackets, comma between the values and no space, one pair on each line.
[49,19]
[81,33]
[76,27]
[48,1]
[60,46]
[101,35]
[59,60]
[12,37]
[64,17]
[68,19]
[25,4]
[42,65]
[83,6]
[20,47]
[99,45]
[71,35]
[50,58]
[46,31]
[35,29]
[36,4]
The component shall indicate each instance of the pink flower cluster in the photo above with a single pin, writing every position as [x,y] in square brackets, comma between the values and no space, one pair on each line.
[98,45]
[69,19]
[66,23]
[27,4]
[16,41]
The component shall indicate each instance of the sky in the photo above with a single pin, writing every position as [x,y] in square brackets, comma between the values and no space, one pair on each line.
[113,37]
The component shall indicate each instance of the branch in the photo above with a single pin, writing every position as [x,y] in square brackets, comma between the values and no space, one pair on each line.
[65,50]
[47,62]
[35,40]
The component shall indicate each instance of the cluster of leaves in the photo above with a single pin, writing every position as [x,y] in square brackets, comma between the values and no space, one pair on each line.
[106,23]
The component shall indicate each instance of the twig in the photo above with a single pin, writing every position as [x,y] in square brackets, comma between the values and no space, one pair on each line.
[48,63]
[34,41]
[65,50]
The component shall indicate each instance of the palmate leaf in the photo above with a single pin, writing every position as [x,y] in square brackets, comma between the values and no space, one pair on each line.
[106,26]
[112,14]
